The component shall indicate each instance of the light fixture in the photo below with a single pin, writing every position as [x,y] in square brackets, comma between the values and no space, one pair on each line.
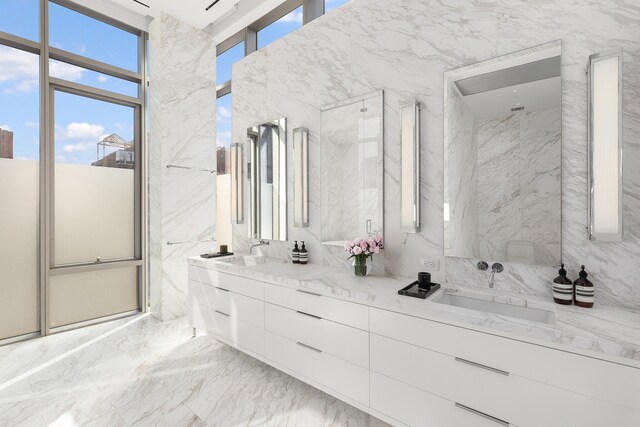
[410,166]
[301,177]
[237,183]
[605,146]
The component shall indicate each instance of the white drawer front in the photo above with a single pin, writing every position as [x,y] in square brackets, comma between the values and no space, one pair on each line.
[596,378]
[244,308]
[418,408]
[505,396]
[339,375]
[339,340]
[344,312]
[240,285]
[240,334]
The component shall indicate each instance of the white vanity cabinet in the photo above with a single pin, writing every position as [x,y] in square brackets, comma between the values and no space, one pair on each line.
[498,379]
[408,370]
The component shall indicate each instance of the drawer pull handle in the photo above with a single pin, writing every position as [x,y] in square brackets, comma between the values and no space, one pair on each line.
[481,366]
[309,347]
[482,414]
[308,292]
[224,314]
[222,289]
[310,315]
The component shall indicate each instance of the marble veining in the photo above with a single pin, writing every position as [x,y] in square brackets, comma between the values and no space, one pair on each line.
[404,48]
[605,332]
[182,132]
[139,371]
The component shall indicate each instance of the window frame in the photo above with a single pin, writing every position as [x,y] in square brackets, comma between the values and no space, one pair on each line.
[47,86]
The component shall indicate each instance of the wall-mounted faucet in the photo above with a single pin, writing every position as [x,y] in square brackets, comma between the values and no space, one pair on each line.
[496,267]
[260,243]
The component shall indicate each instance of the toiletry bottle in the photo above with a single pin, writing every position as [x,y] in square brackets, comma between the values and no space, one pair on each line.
[562,288]
[583,291]
[304,255]
[295,254]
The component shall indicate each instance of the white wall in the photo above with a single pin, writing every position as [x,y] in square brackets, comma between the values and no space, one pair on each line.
[404,47]
[182,203]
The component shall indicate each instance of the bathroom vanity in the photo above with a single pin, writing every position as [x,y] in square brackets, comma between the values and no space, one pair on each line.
[421,362]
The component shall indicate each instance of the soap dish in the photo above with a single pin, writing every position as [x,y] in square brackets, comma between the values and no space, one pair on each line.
[414,290]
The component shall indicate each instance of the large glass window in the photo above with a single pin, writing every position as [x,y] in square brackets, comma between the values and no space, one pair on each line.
[20,18]
[280,28]
[73,73]
[83,35]
[332,4]
[225,60]
[19,207]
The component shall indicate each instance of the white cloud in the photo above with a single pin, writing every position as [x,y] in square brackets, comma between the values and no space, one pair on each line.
[224,139]
[102,79]
[224,115]
[295,16]
[5,127]
[82,136]
[65,71]
[32,124]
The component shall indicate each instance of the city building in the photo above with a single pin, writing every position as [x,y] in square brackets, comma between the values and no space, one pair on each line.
[6,144]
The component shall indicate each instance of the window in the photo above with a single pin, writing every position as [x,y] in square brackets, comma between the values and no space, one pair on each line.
[332,4]
[20,18]
[225,60]
[280,28]
[80,34]
[73,73]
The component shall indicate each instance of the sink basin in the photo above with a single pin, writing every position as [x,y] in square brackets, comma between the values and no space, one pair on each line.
[250,260]
[502,309]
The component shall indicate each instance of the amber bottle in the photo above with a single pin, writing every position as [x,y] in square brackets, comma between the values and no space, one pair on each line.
[583,291]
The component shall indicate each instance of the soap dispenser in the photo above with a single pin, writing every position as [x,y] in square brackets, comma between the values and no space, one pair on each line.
[562,288]
[583,291]
[295,254]
[304,255]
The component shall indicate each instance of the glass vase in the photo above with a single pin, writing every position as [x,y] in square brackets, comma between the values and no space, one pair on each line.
[361,266]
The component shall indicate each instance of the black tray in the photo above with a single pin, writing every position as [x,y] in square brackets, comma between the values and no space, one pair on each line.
[414,290]
[216,255]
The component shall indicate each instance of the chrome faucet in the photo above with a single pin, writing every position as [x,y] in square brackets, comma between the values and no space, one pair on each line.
[260,243]
[496,267]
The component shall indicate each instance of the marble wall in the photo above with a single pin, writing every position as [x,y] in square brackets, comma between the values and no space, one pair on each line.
[182,203]
[519,187]
[404,47]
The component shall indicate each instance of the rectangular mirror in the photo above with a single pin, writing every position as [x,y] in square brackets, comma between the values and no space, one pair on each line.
[502,136]
[301,177]
[237,184]
[410,166]
[268,180]
[352,168]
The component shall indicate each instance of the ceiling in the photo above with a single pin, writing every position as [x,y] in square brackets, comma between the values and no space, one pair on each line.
[221,20]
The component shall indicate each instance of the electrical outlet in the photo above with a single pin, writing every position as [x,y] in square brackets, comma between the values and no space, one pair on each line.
[430,264]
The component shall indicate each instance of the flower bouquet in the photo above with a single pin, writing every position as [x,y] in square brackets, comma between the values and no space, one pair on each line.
[362,251]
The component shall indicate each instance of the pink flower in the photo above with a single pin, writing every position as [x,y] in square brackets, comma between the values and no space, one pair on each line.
[376,250]
[357,250]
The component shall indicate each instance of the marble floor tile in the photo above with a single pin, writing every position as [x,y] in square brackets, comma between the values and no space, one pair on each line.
[142,372]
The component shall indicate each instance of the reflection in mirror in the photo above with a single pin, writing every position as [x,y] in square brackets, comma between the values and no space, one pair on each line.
[503,158]
[268,180]
[352,169]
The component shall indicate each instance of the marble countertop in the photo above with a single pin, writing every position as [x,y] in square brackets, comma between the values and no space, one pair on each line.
[607,333]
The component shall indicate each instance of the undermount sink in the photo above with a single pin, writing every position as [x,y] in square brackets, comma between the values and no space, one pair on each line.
[250,260]
[502,309]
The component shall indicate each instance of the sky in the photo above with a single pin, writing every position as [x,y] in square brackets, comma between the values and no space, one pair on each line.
[82,122]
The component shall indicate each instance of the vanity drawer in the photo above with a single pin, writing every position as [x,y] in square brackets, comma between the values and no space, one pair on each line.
[603,380]
[339,340]
[246,309]
[310,302]
[240,285]
[416,408]
[502,395]
[343,377]
[240,334]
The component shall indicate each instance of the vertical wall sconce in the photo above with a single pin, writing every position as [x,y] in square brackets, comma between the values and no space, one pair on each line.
[605,146]
[410,166]
[237,183]
[301,177]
